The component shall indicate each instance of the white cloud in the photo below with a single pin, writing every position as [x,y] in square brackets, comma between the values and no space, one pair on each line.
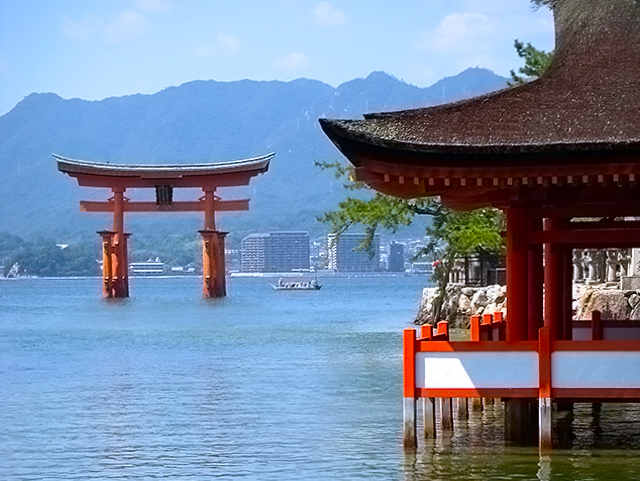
[229,43]
[468,39]
[460,33]
[293,61]
[224,44]
[152,6]
[80,29]
[328,16]
[128,25]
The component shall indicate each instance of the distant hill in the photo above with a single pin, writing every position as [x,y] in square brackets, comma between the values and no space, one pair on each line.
[200,121]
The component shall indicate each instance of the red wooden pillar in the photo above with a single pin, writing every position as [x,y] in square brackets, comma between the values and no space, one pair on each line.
[107,268]
[409,408]
[517,274]
[553,282]
[516,410]
[125,262]
[567,291]
[119,255]
[536,283]
[545,411]
[209,209]
[221,282]
[209,248]
[213,265]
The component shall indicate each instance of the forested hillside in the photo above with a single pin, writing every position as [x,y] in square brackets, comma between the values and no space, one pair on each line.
[200,121]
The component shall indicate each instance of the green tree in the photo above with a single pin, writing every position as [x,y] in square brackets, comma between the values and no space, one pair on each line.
[543,3]
[454,234]
[450,234]
[535,63]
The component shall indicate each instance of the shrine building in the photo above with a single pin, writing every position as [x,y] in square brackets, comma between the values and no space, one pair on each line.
[560,156]
[163,178]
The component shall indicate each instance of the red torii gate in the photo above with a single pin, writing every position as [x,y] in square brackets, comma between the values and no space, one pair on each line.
[163,178]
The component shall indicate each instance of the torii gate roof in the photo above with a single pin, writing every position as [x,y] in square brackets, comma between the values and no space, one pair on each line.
[576,125]
[217,174]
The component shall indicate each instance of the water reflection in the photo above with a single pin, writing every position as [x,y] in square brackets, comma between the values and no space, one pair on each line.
[591,442]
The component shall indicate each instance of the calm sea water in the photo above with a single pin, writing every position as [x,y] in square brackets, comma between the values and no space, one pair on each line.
[261,385]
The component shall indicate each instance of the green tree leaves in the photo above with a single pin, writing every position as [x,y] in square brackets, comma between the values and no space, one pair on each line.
[535,63]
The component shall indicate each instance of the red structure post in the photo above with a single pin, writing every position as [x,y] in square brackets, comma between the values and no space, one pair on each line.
[213,264]
[409,410]
[119,254]
[517,273]
[567,291]
[516,418]
[536,285]
[553,282]
[545,395]
[107,268]
[209,209]
[221,284]
[125,263]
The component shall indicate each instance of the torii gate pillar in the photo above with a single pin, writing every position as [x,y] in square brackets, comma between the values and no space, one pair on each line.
[115,270]
[213,265]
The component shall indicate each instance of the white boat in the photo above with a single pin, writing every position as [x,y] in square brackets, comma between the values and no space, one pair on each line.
[296,285]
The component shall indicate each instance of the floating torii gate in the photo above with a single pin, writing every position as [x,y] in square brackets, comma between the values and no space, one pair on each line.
[163,178]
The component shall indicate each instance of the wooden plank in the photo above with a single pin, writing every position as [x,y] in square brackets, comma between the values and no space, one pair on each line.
[429,417]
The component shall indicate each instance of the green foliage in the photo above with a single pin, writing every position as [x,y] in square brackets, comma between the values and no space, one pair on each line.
[43,257]
[544,3]
[450,233]
[381,210]
[535,63]
[173,250]
[459,234]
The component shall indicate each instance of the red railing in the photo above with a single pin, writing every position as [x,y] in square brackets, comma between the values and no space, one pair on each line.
[488,327]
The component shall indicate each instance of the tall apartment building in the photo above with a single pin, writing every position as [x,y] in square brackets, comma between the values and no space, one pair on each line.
[396,257]
[345,255]
[275,252]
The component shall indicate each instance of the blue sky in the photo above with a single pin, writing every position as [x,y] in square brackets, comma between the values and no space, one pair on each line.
[103,48]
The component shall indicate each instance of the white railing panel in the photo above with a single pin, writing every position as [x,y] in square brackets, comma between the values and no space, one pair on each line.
[477,370]
[595,369]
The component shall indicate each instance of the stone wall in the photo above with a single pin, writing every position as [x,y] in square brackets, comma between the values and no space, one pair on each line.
[462,302]
[613,303]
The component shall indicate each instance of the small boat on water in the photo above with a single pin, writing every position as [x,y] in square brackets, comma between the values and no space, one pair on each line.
[297,285]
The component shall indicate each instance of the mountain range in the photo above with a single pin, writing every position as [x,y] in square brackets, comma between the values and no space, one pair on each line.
[199,121]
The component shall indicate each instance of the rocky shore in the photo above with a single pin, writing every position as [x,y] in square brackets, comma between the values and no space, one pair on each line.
[461,303]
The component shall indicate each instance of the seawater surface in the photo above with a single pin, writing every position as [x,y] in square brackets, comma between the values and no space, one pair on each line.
[261,385]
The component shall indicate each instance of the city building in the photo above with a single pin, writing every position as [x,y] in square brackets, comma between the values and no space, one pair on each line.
[276,252]
[345,254]
[396,257]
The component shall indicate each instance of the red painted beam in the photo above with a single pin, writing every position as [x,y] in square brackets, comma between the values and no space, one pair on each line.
[588,237]
[181,206]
